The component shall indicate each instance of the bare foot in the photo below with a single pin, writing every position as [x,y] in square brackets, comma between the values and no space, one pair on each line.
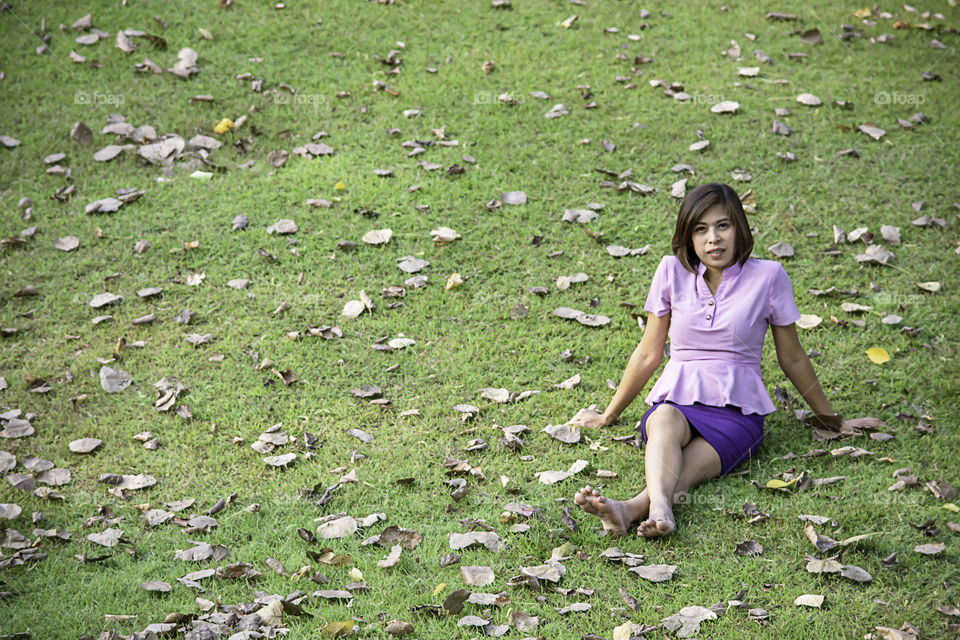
[615,515]
[660,522]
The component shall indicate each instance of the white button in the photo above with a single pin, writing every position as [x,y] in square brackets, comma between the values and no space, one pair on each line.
[710,302]
[709,316]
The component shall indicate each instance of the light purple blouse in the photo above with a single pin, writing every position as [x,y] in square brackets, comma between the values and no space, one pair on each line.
[716,341]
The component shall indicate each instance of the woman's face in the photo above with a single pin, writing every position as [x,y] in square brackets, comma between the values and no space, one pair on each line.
[714,238]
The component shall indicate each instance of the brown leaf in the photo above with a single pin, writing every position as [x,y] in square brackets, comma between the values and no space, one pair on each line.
[453,603]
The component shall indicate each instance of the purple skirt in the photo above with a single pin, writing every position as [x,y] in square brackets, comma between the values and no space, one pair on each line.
[735,436]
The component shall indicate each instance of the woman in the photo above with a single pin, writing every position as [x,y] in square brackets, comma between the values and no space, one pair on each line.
[716,302]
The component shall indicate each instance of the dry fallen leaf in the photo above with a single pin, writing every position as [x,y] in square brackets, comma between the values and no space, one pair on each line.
[809,600]
[655,572]
[513,197]
[726,106]
[930,549]
[392,558]
[85,445]
[114,380]
[377,236]
[476,576]
[686,622]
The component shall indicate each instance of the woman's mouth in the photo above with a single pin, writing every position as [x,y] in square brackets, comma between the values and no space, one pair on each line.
[715,253]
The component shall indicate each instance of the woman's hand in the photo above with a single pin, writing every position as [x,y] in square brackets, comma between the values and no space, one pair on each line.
[589,418]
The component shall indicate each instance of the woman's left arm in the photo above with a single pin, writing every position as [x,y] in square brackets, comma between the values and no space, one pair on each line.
[796,364]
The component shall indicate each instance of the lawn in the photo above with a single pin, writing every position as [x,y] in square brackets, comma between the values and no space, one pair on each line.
[351,117]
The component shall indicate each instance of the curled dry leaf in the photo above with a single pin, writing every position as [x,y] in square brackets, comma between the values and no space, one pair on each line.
[353,308]
[455,280]
[444,235]
[808,321]
[392,558]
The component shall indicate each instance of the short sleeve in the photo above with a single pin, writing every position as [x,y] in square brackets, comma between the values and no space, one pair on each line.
[658,299]
[782,310]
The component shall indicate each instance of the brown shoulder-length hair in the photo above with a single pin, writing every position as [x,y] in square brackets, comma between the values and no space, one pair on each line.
[693,206]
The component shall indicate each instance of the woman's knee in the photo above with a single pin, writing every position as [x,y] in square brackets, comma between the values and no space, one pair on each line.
[666,420]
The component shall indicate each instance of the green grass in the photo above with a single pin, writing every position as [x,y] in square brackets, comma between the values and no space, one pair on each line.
[465,337]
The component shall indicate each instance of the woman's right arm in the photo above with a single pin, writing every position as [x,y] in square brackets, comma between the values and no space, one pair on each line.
[643,362]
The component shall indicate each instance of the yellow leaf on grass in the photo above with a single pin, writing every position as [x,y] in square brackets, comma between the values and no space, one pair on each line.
[624,631]
[862,13]
[340,186]
[878,355]
[951,507]
[774,483]
[223,126]
[440,587]
[338,628]
[356,574]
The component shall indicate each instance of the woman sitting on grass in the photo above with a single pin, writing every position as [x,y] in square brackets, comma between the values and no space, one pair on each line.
[709,403]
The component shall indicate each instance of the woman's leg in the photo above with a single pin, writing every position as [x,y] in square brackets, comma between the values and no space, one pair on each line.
[699,462]
[667,433]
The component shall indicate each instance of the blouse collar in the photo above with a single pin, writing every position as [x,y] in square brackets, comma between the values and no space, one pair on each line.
[729,273]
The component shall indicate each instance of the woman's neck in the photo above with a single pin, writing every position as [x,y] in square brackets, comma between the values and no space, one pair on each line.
[713,276]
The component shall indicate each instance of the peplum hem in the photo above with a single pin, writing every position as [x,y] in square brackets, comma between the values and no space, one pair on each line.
[713,383]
